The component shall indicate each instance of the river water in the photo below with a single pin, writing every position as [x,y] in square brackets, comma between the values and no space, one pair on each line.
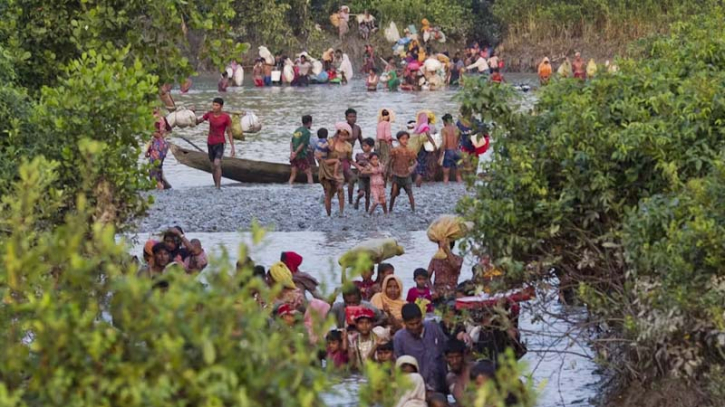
[559,362]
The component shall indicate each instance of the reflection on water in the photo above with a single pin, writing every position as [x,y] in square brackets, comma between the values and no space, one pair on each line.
[280,110]
[568,377]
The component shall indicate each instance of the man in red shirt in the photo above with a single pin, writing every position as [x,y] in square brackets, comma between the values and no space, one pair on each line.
[219,123]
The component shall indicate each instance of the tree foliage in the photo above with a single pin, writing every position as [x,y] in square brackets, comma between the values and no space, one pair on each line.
[566,178]
[80,329]
[46,38]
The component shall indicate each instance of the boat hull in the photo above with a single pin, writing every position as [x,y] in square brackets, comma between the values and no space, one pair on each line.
[239,169]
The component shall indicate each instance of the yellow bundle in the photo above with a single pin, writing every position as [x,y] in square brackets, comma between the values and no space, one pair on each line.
[377,250]
[445,229]
[335,19]
[591,68]
[237,131]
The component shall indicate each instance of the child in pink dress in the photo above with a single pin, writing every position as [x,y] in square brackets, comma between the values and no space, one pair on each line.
[377,183]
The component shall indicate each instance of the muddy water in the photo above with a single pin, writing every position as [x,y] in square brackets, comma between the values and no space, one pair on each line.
[567,379]
[280,110]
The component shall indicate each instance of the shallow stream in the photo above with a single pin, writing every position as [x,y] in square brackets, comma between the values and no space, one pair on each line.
[558,361]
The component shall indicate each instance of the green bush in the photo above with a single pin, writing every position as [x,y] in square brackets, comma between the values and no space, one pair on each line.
[566,177]
[81,330]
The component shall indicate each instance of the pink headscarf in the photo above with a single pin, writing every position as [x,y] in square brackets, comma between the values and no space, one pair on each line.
[343,126]
[421,126]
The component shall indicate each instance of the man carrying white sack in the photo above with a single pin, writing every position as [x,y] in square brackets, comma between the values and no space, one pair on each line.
[219,123]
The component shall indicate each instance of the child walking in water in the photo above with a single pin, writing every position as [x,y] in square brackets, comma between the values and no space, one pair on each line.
[377,183]
[363,184]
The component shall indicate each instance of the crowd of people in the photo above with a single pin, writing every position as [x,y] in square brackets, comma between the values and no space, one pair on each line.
[413,156]
[423,333]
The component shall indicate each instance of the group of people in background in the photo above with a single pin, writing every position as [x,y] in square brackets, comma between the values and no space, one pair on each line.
[421,332]
[577,68]
[413,155]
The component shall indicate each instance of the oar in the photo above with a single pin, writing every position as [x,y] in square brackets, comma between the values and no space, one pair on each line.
[194,145]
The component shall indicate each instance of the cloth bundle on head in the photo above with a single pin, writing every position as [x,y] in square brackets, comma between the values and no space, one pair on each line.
[391,114]
[445,229]
[377,250]
[343,126]
[382,301]
[281,275]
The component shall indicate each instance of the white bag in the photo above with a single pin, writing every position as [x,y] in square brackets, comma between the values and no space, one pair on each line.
[230,72]
[289,73]
[182,118]
[437,138]
[251,123]
[266,55]
[432,65]
[239,76]
[276,76]
[316,67]
[391,33]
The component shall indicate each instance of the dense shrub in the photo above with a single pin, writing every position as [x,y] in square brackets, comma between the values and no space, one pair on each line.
[564,180]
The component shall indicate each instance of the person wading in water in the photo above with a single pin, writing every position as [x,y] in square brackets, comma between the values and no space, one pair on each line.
[298,150]
[219,123]
[355,136]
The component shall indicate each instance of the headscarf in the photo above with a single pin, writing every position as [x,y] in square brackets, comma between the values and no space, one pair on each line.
[415,397]
[292,260]
[421,125]
[281,275]
[391,114]
[407,360]
[381,299]
[343,126]
[546,59]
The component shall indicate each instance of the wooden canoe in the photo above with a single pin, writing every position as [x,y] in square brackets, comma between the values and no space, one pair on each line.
[250,171]
[239,169]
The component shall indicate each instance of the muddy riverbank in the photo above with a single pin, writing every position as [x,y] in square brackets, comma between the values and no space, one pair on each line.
[287,208]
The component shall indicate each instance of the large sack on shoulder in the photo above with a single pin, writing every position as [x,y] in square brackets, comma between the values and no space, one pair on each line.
[591,68]
[266,55]
[288,73]
[377,249]
[316,67]
[445,229]
[238,76]
[391,33]
[237,131]
[251,123]
[565,70]
[182,118]
[432,65]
